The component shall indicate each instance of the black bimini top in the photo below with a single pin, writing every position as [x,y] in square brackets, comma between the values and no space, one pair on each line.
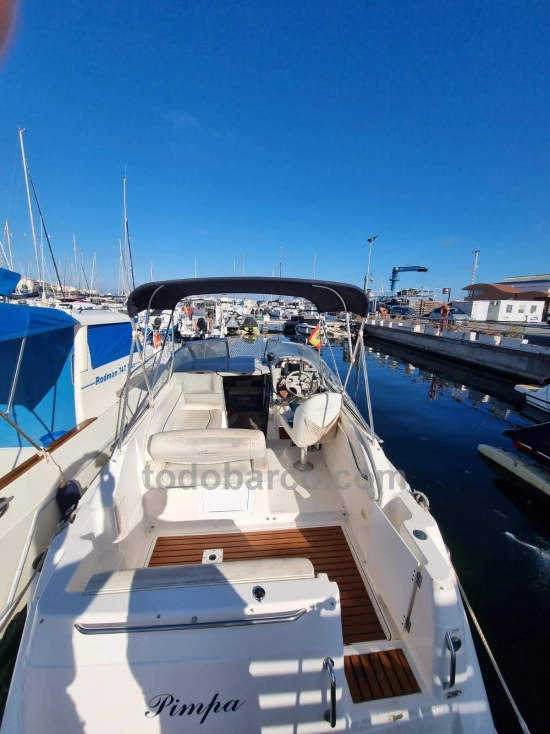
[326,295]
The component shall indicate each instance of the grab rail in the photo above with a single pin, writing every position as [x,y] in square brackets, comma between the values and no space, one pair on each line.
[453,644]
[369,457]
[330,714]
[109,628]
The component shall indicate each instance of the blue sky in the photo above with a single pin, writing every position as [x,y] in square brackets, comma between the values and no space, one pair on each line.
[243,125]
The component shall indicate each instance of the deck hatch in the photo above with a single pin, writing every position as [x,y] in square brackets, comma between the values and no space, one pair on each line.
[377,675]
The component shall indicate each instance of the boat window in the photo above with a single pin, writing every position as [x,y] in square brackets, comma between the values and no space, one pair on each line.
[108,343]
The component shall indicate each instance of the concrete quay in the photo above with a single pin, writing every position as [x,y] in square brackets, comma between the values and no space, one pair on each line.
[514,358]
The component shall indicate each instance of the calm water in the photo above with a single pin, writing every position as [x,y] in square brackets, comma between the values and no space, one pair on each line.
[432,417]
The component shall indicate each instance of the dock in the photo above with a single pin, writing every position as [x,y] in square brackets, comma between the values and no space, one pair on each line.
[514,358]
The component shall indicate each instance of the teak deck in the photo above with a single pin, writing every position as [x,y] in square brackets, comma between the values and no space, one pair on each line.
[379,675]
[326,548]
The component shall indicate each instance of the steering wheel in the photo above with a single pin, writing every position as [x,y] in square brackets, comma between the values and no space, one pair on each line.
[298,384]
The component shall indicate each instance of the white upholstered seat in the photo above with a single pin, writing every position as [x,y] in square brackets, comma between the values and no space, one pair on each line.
[314,421]
[181,458]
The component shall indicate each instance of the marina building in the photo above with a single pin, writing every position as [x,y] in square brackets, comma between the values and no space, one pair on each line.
[531,290]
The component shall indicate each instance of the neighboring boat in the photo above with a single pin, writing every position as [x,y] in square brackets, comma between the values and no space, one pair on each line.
[61,378]
[275,575]
[536,395]
[232,327]
[304,330]
[299,324]
[250,325]
[531,469]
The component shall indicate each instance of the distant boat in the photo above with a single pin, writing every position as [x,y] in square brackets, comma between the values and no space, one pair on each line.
[232,327]
[536,396]
[303,317]
[250,325]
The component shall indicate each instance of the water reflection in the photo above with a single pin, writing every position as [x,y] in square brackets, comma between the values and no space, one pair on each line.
[493,397]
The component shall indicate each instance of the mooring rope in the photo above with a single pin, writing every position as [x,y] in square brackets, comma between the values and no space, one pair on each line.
[521,720]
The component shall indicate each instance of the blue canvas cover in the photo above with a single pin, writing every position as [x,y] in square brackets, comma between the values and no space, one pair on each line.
[109,342]
[17,322]
[43,404]
[8,282]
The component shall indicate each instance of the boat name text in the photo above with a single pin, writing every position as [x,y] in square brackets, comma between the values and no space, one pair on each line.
[168,702]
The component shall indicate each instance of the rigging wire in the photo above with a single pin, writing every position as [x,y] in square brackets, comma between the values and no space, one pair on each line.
[45,231]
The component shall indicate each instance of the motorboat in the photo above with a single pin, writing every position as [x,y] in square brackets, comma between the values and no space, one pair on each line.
[61,378]
[302,324]
[305,329]
[536,395]
[530,466]
[248,560]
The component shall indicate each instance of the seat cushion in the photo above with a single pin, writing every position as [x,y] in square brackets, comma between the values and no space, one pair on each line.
[210,446]
[200,418]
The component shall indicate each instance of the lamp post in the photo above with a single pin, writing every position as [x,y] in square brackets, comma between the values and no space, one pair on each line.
[368,274]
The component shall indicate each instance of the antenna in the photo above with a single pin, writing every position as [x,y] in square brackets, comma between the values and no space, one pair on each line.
[474,266]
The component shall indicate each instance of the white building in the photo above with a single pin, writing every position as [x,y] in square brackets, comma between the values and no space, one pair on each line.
[516,311]
[476,310]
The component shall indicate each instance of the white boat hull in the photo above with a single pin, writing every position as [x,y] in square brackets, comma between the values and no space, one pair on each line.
[536,396]
[526,471]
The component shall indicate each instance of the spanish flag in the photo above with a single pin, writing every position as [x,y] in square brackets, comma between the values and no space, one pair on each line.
[315,337]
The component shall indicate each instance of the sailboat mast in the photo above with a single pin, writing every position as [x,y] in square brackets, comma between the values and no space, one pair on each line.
[8,239]
[120,287]
[92,275]
[127,240]
[76,268]
[29,202]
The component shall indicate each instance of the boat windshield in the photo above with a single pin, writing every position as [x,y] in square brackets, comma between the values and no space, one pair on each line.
[282,348]
[215,353]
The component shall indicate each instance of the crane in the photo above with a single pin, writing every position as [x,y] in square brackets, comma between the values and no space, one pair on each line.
[406,268]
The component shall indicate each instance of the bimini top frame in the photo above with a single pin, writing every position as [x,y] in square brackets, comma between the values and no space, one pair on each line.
[327,296]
